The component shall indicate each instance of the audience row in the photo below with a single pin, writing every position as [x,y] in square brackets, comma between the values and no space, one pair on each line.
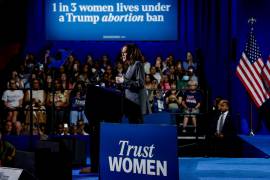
[53,91]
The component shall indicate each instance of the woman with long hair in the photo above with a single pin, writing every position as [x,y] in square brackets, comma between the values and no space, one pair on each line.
[133,82]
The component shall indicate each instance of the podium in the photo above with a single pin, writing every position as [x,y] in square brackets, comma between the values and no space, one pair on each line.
[102,105]
[150,144]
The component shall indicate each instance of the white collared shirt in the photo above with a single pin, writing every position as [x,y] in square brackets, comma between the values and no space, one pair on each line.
[221,118]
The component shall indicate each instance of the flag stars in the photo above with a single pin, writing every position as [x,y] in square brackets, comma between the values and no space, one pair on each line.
[252,50]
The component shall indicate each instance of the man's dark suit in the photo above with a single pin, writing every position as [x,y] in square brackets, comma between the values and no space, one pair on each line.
[228,128]
[222,144]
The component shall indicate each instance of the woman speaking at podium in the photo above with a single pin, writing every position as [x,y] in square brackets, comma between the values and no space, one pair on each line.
[133,83]
[134,103]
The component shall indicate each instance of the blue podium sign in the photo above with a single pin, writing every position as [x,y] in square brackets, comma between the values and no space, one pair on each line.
[138,151]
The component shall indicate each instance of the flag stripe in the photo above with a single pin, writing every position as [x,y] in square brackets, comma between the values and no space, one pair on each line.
[266,73]
[248,83]
[248,79]
[252,77]
[256,71]
[249,88]
[250,71]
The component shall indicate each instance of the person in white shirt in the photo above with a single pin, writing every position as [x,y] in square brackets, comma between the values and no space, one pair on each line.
[12,99]
[146,65]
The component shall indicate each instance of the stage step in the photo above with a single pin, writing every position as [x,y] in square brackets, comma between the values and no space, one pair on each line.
[191,137]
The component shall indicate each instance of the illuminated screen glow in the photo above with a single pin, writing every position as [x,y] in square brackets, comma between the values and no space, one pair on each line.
[110,20]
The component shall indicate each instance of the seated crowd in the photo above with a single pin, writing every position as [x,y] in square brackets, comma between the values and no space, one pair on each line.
[50,92]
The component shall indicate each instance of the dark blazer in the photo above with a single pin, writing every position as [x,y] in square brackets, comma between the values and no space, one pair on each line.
[228,129]
[226,146]
[134,85]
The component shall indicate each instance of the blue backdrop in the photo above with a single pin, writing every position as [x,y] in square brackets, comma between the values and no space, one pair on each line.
[215,31]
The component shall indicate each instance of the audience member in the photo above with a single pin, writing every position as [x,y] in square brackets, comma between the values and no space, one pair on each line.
[18,129]
[189,62]
[158,64]
[67,85]
[158,101]
[60,129]
[150,92]
[165,84]
[7,153]
[19,82]
[77,102]
[35,103]
[66,70]
[192,75]
[8,128]
[173,99]
[57,103]
[155,74]
[73,129]
[191,103]
[81,127]
[146,65]
[12,99]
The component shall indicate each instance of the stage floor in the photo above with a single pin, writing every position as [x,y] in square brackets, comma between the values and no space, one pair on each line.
[213,168]
[251,163]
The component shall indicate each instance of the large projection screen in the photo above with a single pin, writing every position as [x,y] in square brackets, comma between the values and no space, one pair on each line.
[111,20]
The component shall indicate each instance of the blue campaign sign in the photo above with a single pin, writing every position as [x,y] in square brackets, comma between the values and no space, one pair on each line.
[138,151]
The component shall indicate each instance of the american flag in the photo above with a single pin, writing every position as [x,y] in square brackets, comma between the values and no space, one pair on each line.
[266,75]
[249,71]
